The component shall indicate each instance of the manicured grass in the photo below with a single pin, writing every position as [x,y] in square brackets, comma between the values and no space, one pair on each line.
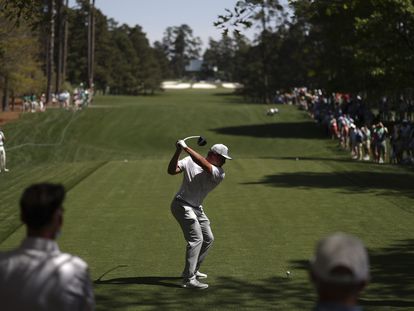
[286,187]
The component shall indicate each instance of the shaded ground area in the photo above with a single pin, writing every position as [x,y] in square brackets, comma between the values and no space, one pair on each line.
[353,181]
[302,130]
[392,274]
[228,293]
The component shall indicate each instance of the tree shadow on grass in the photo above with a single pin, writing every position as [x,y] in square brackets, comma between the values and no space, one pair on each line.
[392,285]
[392,275]
[389,184]
[341,158]
[226,293]
[298,130]
[226,94]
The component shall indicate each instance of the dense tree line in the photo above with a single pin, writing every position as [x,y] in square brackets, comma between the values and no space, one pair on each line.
[358,46]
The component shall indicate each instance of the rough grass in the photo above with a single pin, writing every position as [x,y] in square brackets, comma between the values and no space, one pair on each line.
[286,187]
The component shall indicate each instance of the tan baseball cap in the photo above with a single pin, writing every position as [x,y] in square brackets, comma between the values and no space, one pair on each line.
[341,250]
[221,150]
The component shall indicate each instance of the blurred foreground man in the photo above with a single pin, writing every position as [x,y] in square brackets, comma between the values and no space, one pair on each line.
[37,276]
[339,271]
[201,175]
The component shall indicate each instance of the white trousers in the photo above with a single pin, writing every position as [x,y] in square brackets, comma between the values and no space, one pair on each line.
[197,232]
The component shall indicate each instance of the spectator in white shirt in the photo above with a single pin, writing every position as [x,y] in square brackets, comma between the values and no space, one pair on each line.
[37,276]
[2,153]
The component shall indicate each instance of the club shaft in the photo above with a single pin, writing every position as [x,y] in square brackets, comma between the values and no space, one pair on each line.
[190,137]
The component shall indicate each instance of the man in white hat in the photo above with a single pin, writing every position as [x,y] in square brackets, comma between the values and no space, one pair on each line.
[201,175]
[339,271]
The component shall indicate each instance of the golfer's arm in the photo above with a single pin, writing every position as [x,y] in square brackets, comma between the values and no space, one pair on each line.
[173,168]
[200,160]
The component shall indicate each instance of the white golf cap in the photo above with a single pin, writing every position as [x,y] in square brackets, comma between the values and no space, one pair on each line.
[338,251]
[221,150]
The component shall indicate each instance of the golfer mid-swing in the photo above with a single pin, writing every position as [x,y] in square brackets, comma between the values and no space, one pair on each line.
[201,175]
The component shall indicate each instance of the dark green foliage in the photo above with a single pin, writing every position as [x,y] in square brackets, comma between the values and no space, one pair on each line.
[125,63]
[180,47]
[363,46]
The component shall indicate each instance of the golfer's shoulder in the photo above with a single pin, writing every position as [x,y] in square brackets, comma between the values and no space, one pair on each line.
[217,172]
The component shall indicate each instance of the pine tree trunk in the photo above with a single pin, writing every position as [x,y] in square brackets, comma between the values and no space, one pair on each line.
[91,82]
[91,42]
[264,58]
[51,45]
[5,103]
[59,24]
[13,100]
[65,40]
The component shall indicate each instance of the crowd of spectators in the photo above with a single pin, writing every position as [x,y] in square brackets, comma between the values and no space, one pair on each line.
[381,135]
[80,98]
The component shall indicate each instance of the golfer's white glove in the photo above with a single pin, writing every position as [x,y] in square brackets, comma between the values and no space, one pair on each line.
[182,144]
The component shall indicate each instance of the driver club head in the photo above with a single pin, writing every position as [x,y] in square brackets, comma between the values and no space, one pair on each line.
[201,141]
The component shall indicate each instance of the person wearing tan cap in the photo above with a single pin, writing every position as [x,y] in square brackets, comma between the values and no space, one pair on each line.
[339,272]
[201,175]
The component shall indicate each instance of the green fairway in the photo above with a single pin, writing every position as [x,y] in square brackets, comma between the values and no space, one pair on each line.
[287,186]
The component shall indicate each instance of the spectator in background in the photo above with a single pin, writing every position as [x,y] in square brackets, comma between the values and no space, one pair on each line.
[42,102]
[353,141]
[37,276]
[339,272]
[380,143]
[366,142]
[2,153]
[359,137]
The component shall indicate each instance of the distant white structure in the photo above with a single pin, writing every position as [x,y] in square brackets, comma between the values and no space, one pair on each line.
[174,85]
[177,85]
[231,85]
[203,85]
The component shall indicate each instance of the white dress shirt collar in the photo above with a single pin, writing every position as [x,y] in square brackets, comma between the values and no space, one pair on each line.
[40,244]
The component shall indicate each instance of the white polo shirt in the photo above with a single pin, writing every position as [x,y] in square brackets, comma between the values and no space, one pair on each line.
[197,182]
[37,276]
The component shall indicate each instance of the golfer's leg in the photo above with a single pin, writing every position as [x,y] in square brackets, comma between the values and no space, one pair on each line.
[192,234]
[208,238]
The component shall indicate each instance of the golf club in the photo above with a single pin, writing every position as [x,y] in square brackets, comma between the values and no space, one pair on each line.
[201,141]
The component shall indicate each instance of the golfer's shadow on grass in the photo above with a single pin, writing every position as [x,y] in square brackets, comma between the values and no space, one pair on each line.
[165,281]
